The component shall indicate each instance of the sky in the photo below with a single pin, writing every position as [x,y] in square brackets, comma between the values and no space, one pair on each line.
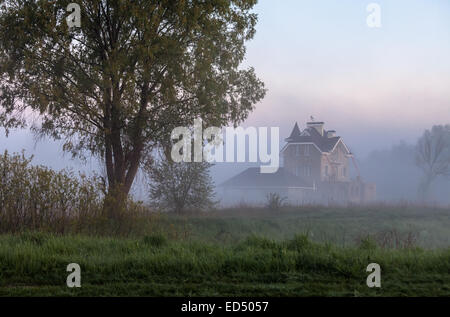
[374,86]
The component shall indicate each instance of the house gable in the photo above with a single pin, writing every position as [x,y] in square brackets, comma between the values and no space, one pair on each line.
[326,159]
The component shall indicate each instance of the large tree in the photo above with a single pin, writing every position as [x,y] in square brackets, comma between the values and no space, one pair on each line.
[131,72]
[433,156]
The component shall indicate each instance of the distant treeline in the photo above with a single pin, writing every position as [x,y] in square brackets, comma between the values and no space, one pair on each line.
[397,176]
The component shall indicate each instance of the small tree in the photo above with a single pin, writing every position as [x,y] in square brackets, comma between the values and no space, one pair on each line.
[433,156]
[181,186]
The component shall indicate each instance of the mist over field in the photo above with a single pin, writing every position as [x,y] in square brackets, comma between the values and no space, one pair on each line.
[391,168]
[320,59]
[95,173]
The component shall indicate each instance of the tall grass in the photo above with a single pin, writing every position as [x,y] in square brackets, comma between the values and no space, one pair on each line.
[34,264]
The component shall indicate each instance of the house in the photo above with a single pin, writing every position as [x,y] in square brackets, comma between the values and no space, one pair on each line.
[315,169]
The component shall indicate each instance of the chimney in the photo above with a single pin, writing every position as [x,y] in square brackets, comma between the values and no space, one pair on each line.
[316,125]
[331,134]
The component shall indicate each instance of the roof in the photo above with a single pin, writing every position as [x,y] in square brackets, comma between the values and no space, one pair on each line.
[252,177]
[295,131]
[311,135]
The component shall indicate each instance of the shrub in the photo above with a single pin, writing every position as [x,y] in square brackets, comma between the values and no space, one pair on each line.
[36,197]
[181,187]
[274,201]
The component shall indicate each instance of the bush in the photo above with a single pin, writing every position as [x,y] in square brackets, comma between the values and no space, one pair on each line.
[38,198]
[181,187]
[274,201]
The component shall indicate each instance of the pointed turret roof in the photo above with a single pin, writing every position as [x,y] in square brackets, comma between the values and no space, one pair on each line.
[295,132]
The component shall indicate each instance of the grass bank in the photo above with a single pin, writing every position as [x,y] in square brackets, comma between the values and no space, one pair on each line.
[294,251]
[34,264]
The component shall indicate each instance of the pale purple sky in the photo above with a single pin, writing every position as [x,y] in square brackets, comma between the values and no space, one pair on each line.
[375,86]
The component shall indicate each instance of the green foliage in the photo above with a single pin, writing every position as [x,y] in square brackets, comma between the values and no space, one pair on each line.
[255,241]
[37,238]
[181,187]
[38,198]
[134,70]
[35,197]
[392,227]
[128,267]
[299,242]
[155,240]
[368,243]
[295,252]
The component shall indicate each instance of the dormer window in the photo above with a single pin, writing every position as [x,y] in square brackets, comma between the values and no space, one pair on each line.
[305,133]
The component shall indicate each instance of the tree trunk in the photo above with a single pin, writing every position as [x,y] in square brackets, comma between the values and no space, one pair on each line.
[121,172]
[424,188]
[121,165]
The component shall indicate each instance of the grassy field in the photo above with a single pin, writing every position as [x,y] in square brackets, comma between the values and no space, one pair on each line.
[426,227]
[248,252]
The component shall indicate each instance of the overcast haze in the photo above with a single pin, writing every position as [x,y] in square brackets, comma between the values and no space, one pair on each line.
[375,86]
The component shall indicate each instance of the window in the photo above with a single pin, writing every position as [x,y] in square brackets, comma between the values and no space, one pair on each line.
[344,172]
[297,150]
[306,150]
[307,171]
[326,170]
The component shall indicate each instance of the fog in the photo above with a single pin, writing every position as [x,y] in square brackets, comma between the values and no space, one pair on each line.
[376,87]
[397,176]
